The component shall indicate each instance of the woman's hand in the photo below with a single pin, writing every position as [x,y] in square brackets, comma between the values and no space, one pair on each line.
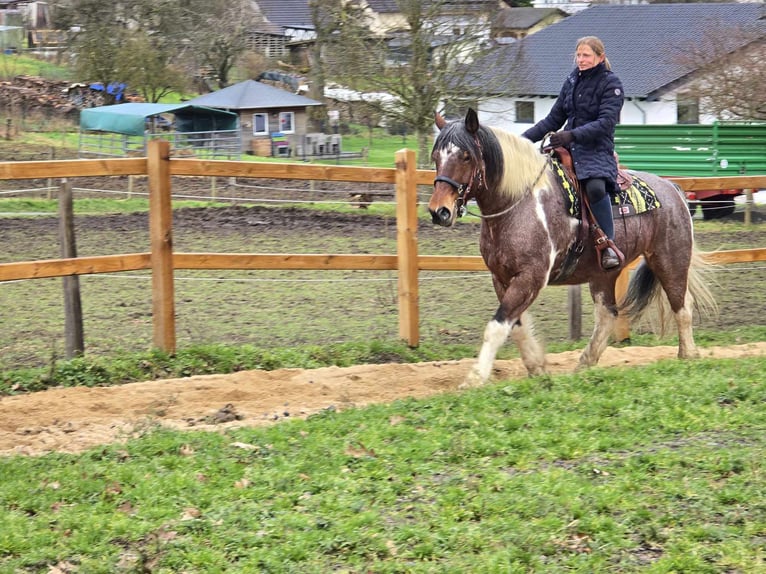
[561,139]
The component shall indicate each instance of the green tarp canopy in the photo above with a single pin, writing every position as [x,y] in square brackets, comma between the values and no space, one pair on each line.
[130,119]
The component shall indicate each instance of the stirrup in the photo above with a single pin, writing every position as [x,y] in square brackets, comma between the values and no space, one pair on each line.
[609,259]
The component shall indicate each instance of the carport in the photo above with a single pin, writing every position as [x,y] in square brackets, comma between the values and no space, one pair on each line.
[124,130]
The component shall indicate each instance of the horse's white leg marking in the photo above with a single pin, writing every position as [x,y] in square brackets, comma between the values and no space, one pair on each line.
[495,334]
[532,352]
[686,347]
[604,323]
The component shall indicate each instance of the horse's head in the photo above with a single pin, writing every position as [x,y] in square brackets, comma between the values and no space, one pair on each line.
[459,167]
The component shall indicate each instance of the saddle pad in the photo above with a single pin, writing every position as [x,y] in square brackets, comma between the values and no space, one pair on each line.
[571,197]
[638,198]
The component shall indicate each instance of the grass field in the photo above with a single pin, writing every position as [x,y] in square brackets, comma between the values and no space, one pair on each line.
[655,469]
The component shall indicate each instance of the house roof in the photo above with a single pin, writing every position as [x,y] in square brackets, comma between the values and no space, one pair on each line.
[384,6]
[250,95]
[451,6]
[642,42]
[524,18]
[287,13]
[130,119]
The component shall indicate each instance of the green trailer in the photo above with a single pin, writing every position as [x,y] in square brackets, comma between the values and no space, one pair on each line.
[695,150]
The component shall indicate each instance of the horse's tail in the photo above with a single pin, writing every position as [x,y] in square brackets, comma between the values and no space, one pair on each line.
[645,293]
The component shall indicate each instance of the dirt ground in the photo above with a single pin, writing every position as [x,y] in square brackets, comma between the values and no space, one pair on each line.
[75,419]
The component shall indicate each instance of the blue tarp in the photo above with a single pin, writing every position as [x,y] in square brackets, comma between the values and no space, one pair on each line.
[130,119]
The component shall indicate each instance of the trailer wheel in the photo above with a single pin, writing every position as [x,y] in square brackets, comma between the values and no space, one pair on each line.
[717,206]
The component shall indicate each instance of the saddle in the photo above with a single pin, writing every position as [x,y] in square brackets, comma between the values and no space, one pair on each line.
[623,182]
[624,177]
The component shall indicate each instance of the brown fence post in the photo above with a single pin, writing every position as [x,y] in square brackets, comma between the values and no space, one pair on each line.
[161,238]
[407,245]
[574,304]
[74,338]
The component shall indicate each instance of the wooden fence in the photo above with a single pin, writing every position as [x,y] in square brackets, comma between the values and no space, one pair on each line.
[162,260]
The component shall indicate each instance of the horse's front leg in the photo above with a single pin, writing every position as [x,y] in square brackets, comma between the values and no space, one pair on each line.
[605,314]
[510,319]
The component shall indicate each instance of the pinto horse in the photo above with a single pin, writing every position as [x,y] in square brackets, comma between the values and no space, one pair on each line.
[530,239]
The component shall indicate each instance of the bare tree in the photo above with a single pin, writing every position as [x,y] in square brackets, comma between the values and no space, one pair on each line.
[215,33]
[730,72]
[421,64]
[176,40]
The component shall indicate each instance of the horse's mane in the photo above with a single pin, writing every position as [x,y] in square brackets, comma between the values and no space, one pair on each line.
[512,163]
[522,165]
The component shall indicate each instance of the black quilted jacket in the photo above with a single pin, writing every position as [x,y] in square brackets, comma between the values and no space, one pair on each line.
[589,103]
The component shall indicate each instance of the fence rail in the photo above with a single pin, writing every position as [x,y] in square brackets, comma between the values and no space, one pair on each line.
[162,261]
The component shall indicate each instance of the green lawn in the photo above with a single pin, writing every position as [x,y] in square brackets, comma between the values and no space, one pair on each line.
[656,469]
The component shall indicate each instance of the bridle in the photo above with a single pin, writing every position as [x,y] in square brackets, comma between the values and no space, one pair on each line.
[463,190]
[478,176]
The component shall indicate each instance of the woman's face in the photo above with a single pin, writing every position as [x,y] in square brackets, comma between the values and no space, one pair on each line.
[586,58]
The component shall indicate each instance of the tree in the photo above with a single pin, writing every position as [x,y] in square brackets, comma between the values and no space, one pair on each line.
[423,64]
[123,42]
[730,72]
[145,67]
[216,33]
[332,19]
[156,45]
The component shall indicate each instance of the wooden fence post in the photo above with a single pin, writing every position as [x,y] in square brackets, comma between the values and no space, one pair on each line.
[73,332]
[161,239]
[407,245]
[574,302]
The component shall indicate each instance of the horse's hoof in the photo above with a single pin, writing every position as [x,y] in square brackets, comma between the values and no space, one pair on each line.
[472,380]
[537,372]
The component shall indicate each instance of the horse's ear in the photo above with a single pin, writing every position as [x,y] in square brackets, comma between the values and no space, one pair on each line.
[471,121]
[440,121]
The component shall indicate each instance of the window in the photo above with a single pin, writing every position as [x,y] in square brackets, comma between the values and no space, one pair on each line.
[287,122]
[687,109]
[525,112]
[260,124]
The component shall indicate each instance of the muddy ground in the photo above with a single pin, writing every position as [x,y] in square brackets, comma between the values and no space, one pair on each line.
[74,419]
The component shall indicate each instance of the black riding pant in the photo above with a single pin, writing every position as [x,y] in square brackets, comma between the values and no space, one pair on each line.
[595,187]
[600,203]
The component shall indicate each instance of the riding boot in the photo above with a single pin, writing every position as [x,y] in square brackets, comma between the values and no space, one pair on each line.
[602,210]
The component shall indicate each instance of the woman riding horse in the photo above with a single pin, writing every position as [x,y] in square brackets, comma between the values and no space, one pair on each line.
[532,236]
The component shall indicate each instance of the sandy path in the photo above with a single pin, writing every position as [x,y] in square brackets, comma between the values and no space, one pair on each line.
[75,419]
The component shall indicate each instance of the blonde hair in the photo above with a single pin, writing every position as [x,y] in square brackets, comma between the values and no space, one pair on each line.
[597,46]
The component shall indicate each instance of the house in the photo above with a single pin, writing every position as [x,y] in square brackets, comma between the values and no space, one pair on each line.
[272,121]
[513,24]
[572,6]
[645,46]
[285,25]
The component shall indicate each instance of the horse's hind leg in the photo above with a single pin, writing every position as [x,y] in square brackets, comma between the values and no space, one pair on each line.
[605,315]
[684,316]
[495,334]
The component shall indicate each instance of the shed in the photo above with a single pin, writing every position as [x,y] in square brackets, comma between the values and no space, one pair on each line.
[124,129]
[264,111]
